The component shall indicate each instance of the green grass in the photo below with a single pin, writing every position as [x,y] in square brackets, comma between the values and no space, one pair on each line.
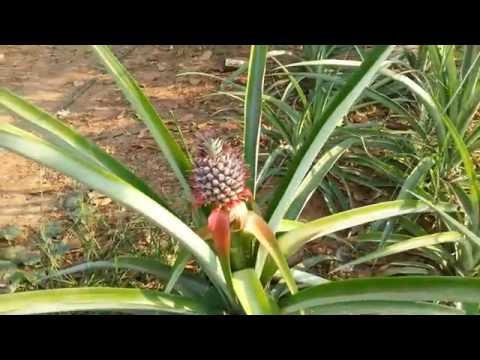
[98,233]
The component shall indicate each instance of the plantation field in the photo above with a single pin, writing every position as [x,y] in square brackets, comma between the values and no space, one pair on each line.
[313,179]
[67,81]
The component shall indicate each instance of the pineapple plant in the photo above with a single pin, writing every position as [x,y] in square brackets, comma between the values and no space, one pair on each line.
[219,182]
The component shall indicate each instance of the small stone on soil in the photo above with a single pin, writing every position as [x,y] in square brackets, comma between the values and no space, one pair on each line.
[162,67]
[206,55]
[194,81]
[78,83]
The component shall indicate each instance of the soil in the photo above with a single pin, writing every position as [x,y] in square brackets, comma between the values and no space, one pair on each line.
[70,82]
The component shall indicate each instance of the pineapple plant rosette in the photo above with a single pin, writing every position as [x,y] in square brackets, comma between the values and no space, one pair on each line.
[221,184]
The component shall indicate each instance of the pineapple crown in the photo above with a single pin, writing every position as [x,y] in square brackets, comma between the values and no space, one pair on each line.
[219,176]
[212,147]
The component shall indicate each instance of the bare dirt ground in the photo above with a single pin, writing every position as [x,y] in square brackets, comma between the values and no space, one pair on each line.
[70,82]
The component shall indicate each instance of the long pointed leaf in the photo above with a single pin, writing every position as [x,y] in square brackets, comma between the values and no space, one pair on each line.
[182,260]
[189,284]
[96,299]
[411,182]
[407,288]
[315,176]
[451,221]
[469,169]
[379,307]
[253,110]
[407,245]
[250,292]
[173,153]
[256,226]
[293,240]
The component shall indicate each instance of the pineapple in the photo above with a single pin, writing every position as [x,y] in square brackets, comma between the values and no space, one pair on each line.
[219,177]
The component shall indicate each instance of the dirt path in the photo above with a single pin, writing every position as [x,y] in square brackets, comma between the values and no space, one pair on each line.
[69,81]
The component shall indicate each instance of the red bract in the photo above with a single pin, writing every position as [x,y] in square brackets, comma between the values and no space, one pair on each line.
[219,226]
